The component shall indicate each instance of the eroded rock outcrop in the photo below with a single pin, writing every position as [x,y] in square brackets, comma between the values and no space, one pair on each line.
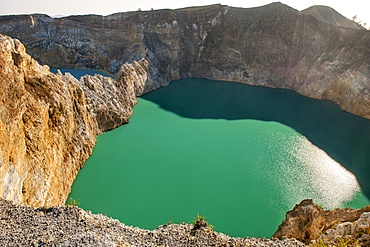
[46,130]
[272,45]
[308,221]
[48,123]
[112,100]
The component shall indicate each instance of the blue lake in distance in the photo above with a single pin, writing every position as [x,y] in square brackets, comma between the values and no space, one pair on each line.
[78,73]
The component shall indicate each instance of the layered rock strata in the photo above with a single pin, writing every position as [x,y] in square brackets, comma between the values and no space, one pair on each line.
[48,123]
[272,45]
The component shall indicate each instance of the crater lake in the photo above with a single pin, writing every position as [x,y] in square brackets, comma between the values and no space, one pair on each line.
[240,155]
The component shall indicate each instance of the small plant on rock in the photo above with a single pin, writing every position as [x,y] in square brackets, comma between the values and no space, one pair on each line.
[347,241]
[338,242]
[319,243]
[72,202]
[200,221]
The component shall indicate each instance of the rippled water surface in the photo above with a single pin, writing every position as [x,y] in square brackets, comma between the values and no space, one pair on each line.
[240,155]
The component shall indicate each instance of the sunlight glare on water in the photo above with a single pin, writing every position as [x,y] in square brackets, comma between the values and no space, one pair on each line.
[316,176]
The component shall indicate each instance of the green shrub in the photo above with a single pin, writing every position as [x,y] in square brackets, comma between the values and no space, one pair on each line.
[338,242]
[201,221]
[72,202]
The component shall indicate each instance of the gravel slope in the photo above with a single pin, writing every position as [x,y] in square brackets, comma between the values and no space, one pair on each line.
[72,226]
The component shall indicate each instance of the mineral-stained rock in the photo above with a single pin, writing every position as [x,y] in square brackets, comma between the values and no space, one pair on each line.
[308,221]
[272,45]
[48,123]
[46,130]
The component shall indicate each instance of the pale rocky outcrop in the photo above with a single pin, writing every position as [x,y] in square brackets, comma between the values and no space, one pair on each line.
[308,221]
[107,98]
[112,100]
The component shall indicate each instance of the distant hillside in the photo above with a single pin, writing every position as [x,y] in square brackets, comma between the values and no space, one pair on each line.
[330,15]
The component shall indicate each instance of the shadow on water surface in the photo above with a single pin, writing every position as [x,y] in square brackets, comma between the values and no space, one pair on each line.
[343,136]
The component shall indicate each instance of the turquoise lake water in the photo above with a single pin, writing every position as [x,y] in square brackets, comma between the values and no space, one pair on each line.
[240,155]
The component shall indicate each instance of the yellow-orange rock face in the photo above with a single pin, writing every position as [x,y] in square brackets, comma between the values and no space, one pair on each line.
[46,130]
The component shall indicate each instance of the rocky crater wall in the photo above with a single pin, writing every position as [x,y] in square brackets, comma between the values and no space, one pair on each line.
[48,122]
[272,45]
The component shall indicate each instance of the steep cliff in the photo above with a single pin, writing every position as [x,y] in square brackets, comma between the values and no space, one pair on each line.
[46,130]
[272,45]
[48,123]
